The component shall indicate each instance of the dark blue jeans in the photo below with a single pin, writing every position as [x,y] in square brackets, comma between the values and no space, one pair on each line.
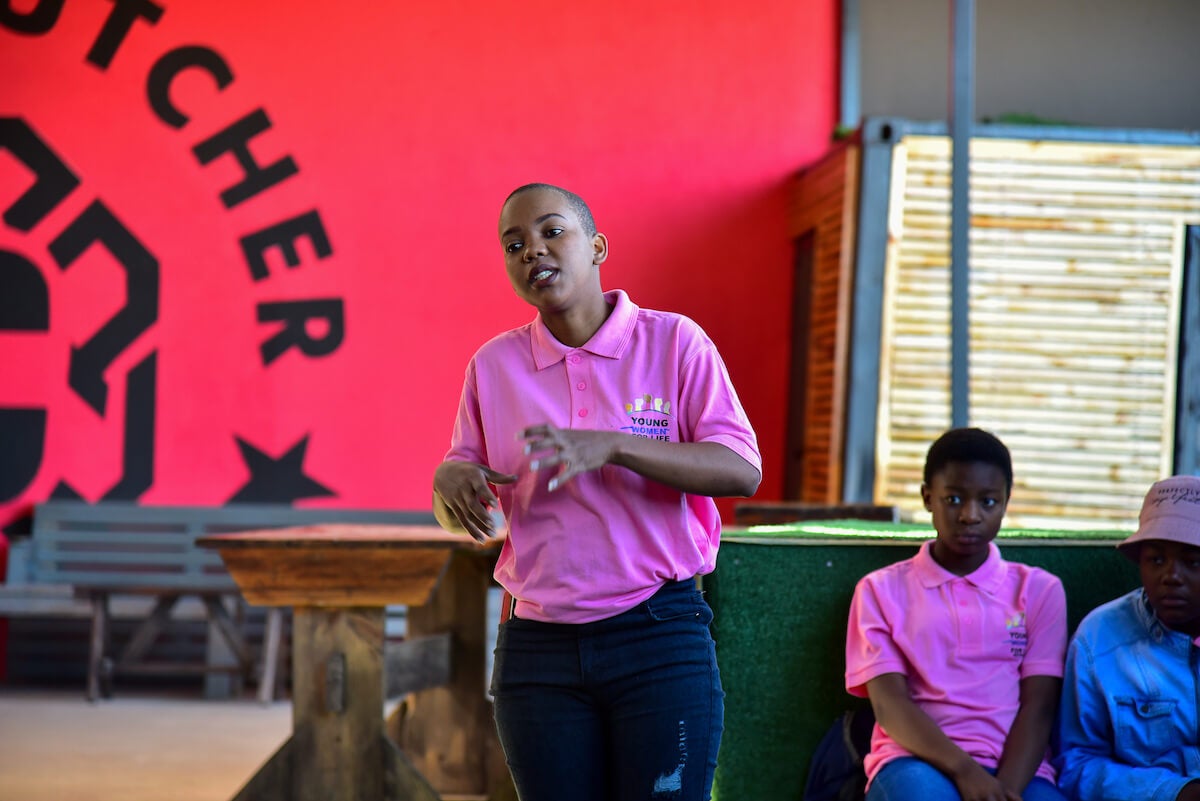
[624,709]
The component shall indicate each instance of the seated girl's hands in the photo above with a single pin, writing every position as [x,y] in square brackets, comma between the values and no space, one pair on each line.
[464,489]
[976,784]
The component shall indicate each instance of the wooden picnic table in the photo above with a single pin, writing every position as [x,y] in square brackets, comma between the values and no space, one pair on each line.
[339,578]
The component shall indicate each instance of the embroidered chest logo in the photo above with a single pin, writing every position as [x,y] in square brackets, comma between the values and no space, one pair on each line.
[649,417]
[1018,637]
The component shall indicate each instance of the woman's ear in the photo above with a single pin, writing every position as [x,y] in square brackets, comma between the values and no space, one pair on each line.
[599,248]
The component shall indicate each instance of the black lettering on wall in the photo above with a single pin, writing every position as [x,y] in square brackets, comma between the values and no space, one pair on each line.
[235,139]
[118,25]
[22,442]
[169,66]
[25,301]
[98,225]
[53,180]
[284,235]
[295,315]
[38,20]
[137,461]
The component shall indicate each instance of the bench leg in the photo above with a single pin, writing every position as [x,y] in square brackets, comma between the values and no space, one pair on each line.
[218,614]
[270,655]
[97,670]
[235,648]
[148,630]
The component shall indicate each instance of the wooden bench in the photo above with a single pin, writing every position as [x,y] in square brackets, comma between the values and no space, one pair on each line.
[122,559]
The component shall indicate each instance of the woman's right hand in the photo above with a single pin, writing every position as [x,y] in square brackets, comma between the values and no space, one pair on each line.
[463,492]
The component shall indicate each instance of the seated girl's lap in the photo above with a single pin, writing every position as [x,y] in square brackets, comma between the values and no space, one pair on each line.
[908,778]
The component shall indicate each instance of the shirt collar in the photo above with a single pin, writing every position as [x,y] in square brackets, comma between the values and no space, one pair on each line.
[610,341]
[987,576]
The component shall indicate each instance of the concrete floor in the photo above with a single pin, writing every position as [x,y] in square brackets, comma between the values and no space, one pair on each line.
[56,746]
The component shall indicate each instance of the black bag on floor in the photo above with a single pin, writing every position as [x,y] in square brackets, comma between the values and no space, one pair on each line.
[836,771]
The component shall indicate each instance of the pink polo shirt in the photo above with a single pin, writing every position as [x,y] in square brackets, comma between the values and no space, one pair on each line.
[608,539]
[963,642]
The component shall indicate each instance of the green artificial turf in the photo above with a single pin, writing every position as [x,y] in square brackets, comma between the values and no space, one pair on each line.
[859,529]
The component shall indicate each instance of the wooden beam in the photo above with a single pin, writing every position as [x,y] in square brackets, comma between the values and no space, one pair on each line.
[417,663]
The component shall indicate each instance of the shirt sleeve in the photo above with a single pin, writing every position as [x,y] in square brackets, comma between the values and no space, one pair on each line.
[467,442]
[714,412]
[870,648]
[1046,625]
[1086,762]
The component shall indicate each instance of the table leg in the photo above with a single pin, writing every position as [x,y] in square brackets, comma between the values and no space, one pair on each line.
[448,731]
[338,750]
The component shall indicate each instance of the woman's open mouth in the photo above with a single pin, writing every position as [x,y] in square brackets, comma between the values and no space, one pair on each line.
[542,276]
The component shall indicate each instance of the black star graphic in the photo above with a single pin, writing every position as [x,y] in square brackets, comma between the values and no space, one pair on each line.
[279,480]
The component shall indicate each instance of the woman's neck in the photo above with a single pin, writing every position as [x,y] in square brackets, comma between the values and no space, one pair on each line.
[575,326]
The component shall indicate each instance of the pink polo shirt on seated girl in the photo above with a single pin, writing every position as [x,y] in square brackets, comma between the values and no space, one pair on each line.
[607,539]
[963,642]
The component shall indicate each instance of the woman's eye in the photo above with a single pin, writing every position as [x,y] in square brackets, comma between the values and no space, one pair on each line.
[951,500]
[512,247]
[553,232]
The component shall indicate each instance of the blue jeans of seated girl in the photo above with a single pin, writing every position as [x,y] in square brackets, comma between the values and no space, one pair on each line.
[624,709]
[912,779]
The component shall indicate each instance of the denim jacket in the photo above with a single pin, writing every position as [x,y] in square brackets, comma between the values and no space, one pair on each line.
[1128,725]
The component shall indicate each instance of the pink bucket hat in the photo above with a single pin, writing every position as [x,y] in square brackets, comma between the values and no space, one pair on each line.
[1171,511]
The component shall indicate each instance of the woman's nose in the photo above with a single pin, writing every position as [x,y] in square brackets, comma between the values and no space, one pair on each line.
[534,250]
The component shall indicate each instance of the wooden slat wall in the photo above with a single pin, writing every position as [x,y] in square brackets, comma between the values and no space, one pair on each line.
[1076,264]
[825,202]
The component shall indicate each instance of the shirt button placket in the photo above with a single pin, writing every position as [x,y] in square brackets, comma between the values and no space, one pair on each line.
[577,376]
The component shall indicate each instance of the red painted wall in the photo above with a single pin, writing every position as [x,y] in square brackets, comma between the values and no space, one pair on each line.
[153,300]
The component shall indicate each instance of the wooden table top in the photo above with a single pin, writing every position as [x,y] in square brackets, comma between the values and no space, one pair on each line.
[347,535]
[342,564]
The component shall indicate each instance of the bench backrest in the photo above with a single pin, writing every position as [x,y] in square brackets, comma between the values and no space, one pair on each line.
[119,545]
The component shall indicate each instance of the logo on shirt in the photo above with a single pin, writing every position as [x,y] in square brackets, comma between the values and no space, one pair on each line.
[649,417]
[1018,637]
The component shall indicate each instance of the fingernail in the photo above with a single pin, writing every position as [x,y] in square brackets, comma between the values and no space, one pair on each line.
[534,464]
[553,485]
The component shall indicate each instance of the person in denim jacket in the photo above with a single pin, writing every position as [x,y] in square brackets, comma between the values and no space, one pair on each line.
[1128,726]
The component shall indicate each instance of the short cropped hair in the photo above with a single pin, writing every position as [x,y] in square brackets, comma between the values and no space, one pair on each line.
[968,445]
[577,204]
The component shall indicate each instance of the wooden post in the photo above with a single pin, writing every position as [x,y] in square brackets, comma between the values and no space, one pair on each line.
[337,706]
